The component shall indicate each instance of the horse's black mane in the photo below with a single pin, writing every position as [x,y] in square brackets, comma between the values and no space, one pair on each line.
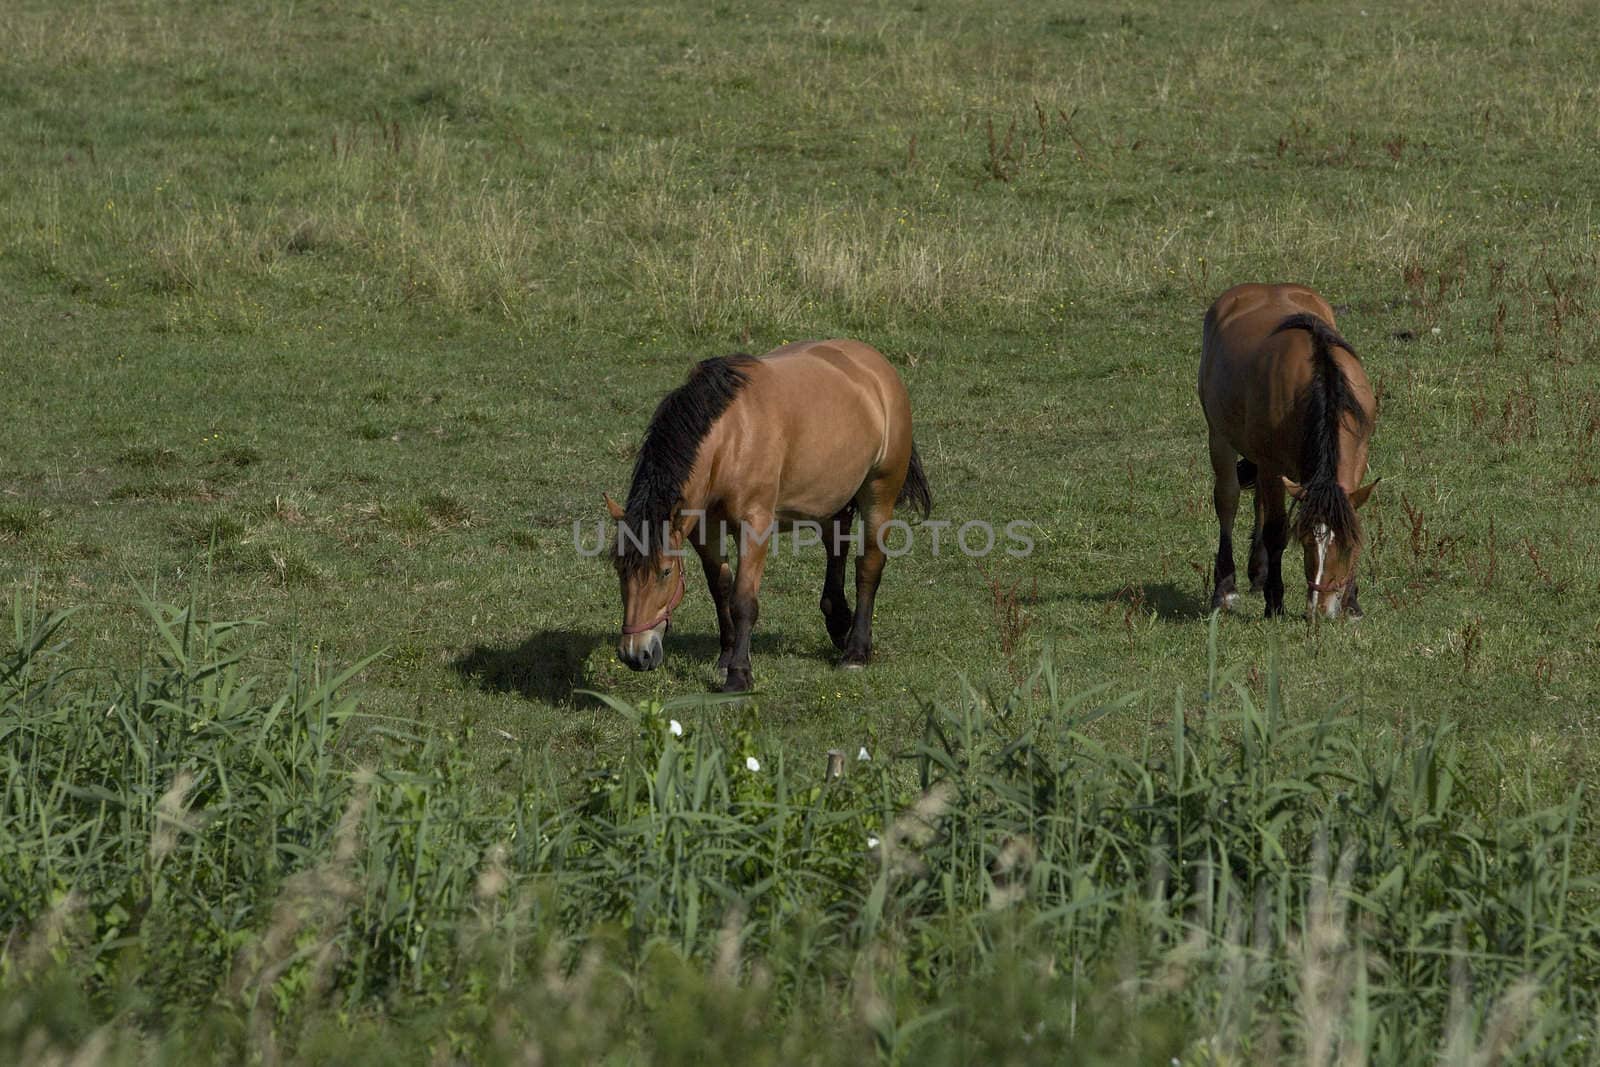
[666,456]
[1323,406]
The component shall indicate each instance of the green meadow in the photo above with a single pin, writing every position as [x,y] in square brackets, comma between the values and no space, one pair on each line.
[335,318]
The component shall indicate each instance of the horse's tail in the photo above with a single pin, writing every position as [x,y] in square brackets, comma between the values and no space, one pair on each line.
[915,490]
[1323,406]
[1326,401]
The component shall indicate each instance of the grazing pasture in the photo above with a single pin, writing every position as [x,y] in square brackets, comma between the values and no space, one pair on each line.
[337,317]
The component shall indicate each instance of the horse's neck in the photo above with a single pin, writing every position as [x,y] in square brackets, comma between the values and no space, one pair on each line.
[695,492]
[1352,458]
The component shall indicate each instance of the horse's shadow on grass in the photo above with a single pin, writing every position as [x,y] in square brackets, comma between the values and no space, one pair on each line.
[1165,601]
[553,664]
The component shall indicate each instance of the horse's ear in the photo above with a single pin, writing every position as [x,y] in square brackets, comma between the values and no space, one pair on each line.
[614,508]
[1294,489]
[1359,497]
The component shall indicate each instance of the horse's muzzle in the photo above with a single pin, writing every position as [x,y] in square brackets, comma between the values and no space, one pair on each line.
[1327,600]
[1326,607]
[642,651]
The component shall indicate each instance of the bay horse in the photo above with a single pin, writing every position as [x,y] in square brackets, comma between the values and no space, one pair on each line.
[1290,411]
[810,433]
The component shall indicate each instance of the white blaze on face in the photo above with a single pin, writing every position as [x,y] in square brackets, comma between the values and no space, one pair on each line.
[1324,541]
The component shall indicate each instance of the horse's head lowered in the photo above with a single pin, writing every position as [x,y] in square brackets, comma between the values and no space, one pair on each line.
[649,566]
[1330,534]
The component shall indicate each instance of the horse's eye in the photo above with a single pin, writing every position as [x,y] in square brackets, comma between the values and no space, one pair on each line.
[666,572]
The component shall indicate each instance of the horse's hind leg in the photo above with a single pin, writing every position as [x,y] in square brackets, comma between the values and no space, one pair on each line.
[876,502]
[1256,568]
[1273,523]
[1258,551]
[1258,559]
[835,608]
[1225,496]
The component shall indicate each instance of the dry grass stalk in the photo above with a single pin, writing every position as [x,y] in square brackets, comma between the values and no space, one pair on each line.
[316,899]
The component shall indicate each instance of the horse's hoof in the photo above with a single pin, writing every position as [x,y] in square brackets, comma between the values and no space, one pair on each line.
[854,659]
[737,682]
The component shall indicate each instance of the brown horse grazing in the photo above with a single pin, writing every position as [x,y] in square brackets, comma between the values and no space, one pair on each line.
[810,433]
[1283,390]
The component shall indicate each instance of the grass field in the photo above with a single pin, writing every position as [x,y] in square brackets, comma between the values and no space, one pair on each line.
[338,316]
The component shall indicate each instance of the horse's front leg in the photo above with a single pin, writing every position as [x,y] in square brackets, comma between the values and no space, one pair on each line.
[719,579]
[755,537]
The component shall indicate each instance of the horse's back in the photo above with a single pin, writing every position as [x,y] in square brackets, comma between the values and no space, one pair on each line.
[819,382]
[822,418]
[806,365]
[1250,374]
[1245,316]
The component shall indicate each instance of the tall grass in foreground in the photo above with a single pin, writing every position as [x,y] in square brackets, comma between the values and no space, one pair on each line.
[190,865]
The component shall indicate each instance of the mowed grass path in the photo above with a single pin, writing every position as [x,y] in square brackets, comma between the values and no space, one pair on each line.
[340,315]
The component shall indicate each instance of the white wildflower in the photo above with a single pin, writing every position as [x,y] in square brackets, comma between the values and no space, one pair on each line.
[752,764]
[676,727]
[863,755]
[872,842]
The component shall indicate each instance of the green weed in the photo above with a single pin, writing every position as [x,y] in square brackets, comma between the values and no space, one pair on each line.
[191,860]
